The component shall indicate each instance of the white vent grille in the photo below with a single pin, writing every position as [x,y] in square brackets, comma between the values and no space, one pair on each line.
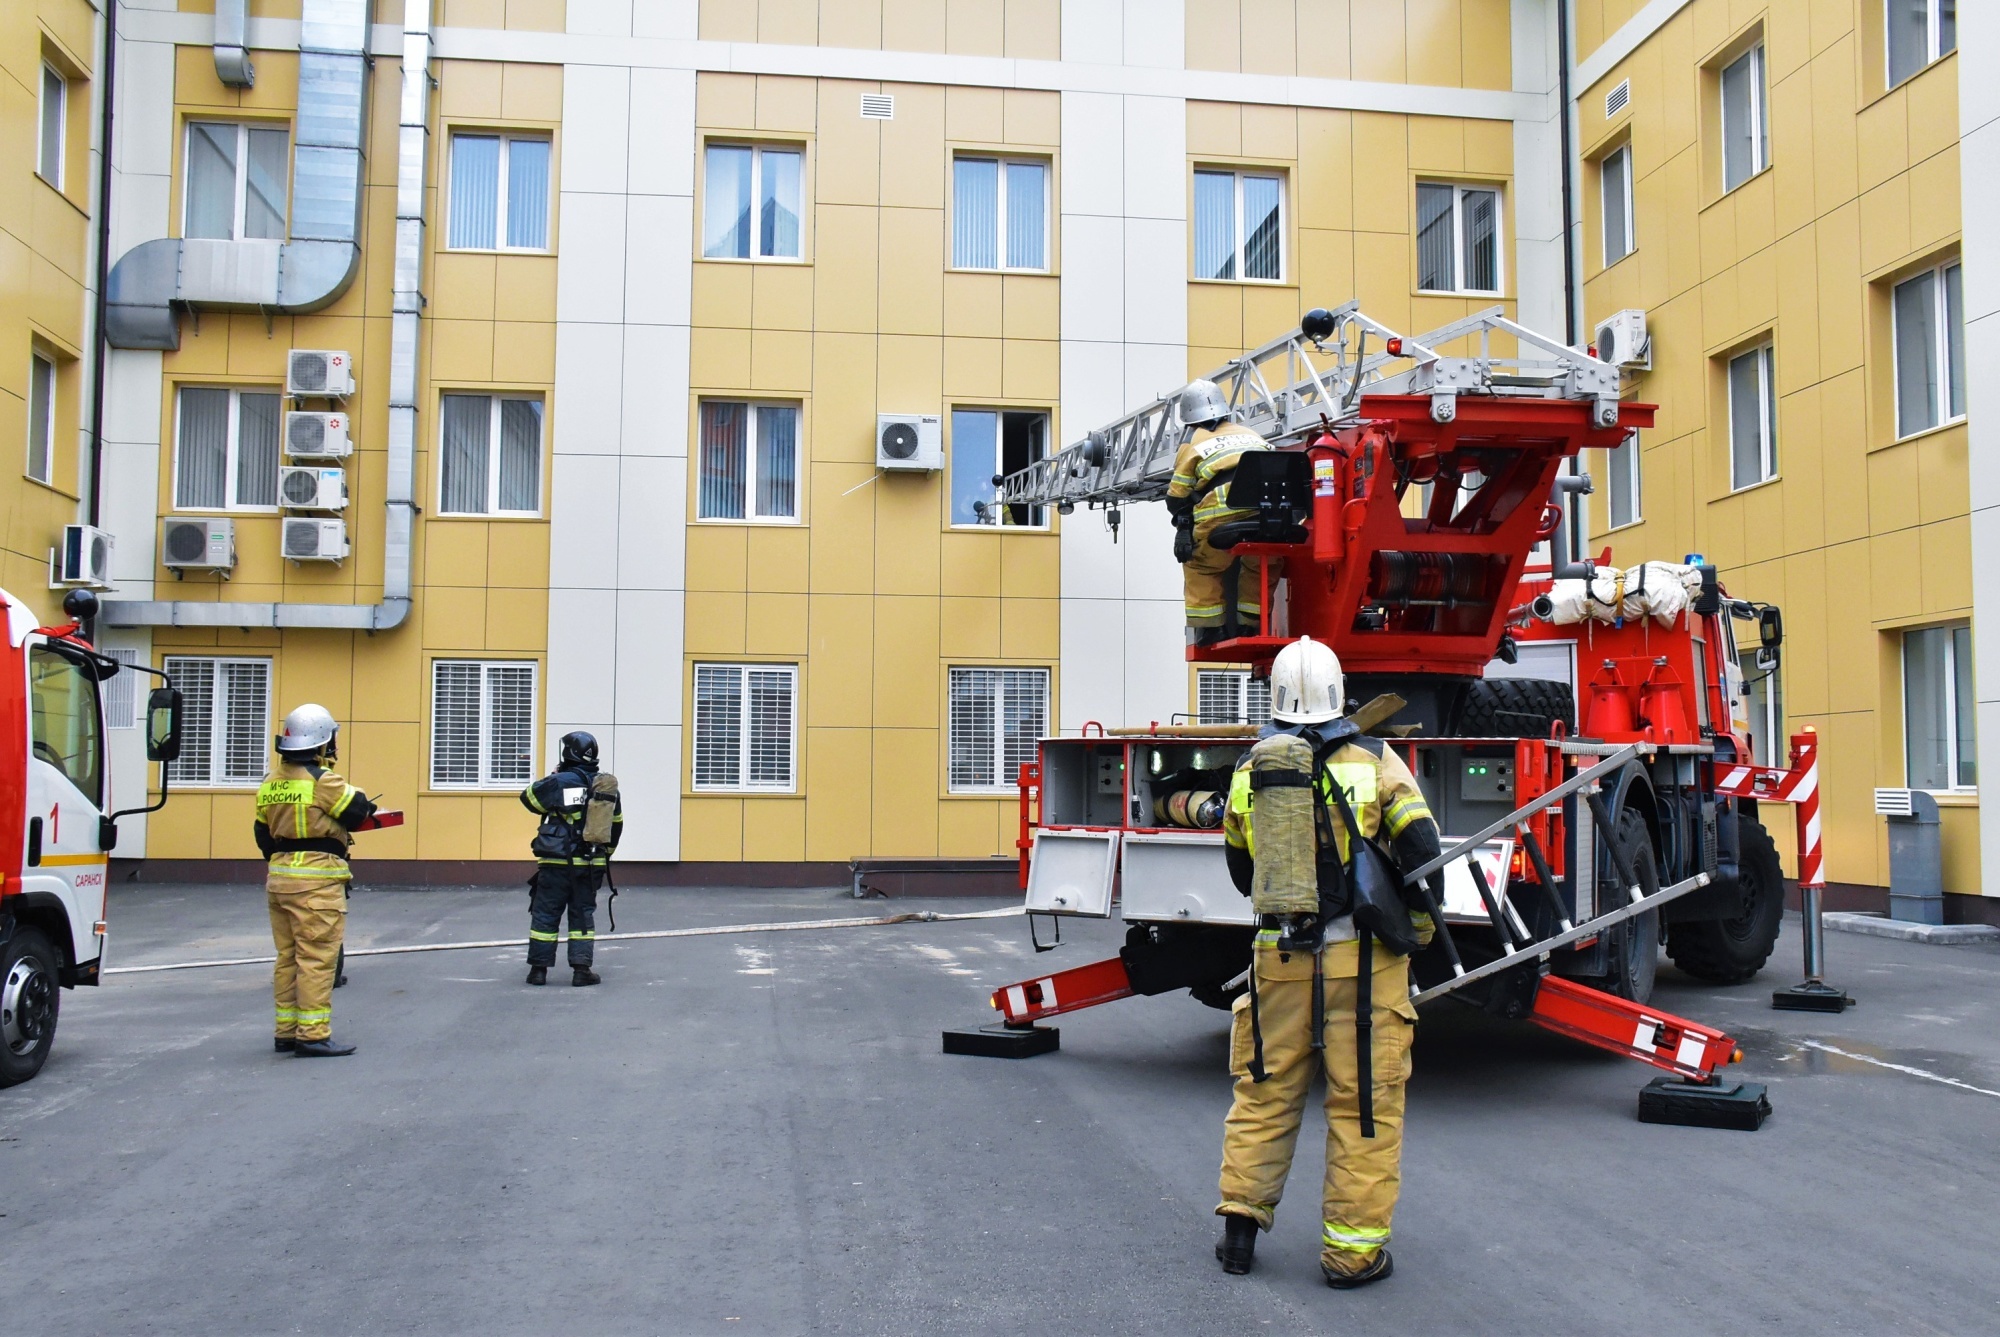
[1893,803]
[745,726]
[998,717]
[120,698]
[878,106]
[1232,696]
[226,720]
[1618,99]
[482,724]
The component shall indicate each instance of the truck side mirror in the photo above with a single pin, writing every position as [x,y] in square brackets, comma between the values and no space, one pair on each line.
[163,724]
[1770,627]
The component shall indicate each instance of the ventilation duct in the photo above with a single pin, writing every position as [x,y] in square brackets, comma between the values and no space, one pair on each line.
[232,44]
[294,277]
[326,192]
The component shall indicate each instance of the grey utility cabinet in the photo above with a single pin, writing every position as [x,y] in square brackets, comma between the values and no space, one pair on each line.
[1916,855]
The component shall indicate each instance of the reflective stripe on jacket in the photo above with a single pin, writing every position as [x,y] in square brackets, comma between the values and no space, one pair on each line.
[302,803]
[1202,459]
[1380,789]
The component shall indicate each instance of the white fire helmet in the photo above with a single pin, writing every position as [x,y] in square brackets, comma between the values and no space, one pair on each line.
[1203,401]
[307,729]
[1307,686]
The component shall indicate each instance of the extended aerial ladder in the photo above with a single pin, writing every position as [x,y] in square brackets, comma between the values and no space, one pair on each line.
[1418,595]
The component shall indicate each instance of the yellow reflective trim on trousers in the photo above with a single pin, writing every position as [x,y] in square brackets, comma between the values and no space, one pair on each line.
[287,1013]
[536,935]
[1267,937]
[307,1017]
[1355,1239]
[574,934]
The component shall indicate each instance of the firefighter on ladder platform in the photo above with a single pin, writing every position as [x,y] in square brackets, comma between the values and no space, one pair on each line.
[1219,588]
[1315,778]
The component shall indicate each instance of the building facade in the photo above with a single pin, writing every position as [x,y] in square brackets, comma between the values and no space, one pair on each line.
[632,289]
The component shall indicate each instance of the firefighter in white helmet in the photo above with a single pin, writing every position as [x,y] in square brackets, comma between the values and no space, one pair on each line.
[1219,589]
[1283,817]
[304,815]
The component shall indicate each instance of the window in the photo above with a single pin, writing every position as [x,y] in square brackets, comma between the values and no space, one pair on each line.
[55,106]
[1239,226]
[1920,31]
[1746,136]
[236,181]
[986,443]
[476,476]
[998,717]
[1753,419]
[999,214]
[1765,707]
[1231,696]
[226,454]
[41,417]
[1621,495]
[499,193]
[482,724]
[1930,350]
[751,208]
[749,462]
[225,720]
[1938,741]
[1458,239]
[1615,173]
[745,727]
[62,699]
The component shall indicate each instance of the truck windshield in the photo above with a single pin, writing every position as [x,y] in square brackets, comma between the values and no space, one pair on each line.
[63,703]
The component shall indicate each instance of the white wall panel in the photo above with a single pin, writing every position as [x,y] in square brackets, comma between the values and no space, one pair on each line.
[652,504]
[143,126]
[602,18]
[1156,684]
[661,158]
[647,761]
[590,271]
[659,236]
[674,19]
[1156,180]
[1093,161]
[1092,31]
[1093,382]
[1156,303]
[584,492]
[1979,168]
[597,110]
[588,390]
[649,657]
[1093,279]
[655,419]
[581,674]
[1156,33]
[1093,663]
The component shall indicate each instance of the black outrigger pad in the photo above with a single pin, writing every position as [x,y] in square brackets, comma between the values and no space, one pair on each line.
[1004,1041]
[1812,996]
[1704,1105]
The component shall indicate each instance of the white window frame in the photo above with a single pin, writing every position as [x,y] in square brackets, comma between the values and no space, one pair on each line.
[229,460]
[1767,414]
[1001,163]
[493,509]
[746,742]
[1942,338]
[1950,706]
[507,142]
[243,129]
[1933,32]
[753,448]
[1238,177]
[40,367]
[489,779]
[1244,689]
[1760,117]
[52,172]
[1633,489]
[1004,780]
[1459,289]
[1629,242]
[757,151]
[179,667]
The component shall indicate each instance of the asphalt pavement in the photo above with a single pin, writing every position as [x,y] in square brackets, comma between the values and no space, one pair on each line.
[758,1133]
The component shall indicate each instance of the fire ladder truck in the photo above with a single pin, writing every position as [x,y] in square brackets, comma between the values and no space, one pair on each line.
[1582,739]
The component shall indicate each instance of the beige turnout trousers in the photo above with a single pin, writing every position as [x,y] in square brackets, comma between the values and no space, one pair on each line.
[1363,1175]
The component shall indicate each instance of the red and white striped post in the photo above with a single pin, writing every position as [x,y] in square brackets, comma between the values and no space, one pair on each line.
[1814,995]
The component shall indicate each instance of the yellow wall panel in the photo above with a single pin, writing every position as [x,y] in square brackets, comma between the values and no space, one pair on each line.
[1031,307]
[780,361]
[774,829]
[969,829]
[906,782]
[788,22]
[970,564]
[975,27]
[972,368]
[525,288]
[725,101]
[975,115]
[776,558]
[517,619]
[842,628]
[838,806]
[712,829]
[775,624]
[1033,117]
[715,623]
[844,398]
[972,305]
[717,556]
[906,660]
[968,628]
[524,351]
[913,25]
[843,531]
[719,359]
[912,271]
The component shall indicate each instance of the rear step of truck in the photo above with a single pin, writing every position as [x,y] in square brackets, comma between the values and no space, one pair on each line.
[1694,1093]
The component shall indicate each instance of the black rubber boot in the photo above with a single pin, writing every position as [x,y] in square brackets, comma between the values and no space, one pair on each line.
[1238,1245]
[583,977]
[1378,1269]
[538,974]
[283,1043]
[320,1049]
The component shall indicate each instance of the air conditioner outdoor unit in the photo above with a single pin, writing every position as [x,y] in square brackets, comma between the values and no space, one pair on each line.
[198,545]
[319,373]
[1622,341]
[315,540]
[912,441]
[84,558]
[312,489]
[317,436]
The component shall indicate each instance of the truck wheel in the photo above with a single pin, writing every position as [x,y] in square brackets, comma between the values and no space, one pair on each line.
[1513,708]
[1634,945]
[29,1000]
[1730,951]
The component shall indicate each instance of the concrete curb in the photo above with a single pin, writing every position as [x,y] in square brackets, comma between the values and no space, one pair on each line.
[1879,927]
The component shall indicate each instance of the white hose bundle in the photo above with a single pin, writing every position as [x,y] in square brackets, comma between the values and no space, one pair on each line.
[1662,590]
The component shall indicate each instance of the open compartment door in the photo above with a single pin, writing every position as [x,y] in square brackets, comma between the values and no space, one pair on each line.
[1070,872]
[1180,877]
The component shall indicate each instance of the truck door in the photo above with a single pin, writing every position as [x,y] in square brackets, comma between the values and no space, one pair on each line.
[66,791]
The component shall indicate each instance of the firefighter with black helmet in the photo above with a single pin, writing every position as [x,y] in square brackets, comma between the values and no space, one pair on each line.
[582,820]
[1310,786]
[305,813]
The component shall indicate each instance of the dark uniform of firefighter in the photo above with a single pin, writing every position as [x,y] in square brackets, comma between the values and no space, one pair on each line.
[1362,1173]
[304,815]
[569,867]
[1215,582]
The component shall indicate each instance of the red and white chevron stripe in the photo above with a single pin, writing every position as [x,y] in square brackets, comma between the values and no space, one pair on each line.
[1804,797]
